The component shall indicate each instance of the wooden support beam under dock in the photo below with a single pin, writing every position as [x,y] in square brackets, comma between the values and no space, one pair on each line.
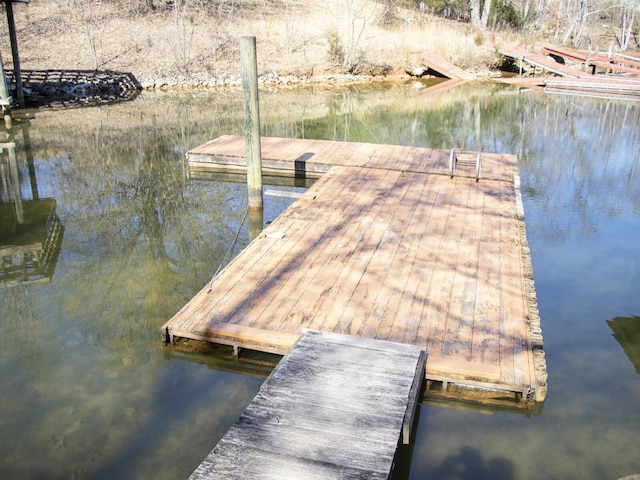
[335,407]
[388,245]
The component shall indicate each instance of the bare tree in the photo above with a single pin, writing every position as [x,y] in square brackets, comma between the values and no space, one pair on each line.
[577,13]
[346,38]
[629,10]
[88,16]
[480,11]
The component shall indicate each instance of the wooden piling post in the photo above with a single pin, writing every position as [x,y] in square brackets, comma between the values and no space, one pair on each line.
[587,59]
[15,180]
[14,52]
[26,139]
[5,99]
[256,222]
[251,120]
[520,66]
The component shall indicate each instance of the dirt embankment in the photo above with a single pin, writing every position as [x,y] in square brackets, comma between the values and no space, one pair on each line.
[196,43]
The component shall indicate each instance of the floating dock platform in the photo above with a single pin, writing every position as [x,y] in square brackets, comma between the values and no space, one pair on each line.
[386,245]
[336,407]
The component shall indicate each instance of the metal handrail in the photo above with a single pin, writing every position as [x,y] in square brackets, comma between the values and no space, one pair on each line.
[453,161]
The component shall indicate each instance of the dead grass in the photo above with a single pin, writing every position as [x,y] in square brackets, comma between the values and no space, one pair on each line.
[198,42]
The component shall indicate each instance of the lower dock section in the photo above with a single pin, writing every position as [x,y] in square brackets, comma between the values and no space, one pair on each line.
[336,407]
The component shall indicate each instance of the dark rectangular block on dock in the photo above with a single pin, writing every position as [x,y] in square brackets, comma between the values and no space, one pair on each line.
[336,407]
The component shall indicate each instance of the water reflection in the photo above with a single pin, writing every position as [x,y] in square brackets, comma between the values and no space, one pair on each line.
[469,464]
[29,247]
[588,161]
[76,88]
[626,330]
[87,390]
[30,230]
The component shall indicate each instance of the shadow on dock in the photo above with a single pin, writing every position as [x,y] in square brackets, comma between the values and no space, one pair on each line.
[75,88]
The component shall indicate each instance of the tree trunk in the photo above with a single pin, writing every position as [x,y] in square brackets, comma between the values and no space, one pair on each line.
[626,26]
[480,13]
[486,10]
[475,14]
[576,19]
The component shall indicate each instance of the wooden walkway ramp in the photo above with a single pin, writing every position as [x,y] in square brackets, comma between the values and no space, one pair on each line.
[445,68]
[335,407]
[386,245]
[543,62]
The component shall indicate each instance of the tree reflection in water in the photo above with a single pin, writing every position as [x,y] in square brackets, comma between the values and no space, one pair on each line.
[87,391]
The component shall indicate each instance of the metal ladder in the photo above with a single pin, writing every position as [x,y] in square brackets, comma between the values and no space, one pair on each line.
[464,158]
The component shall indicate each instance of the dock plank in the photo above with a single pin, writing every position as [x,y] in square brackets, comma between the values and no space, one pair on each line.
[392,255]
[459,329]
[308,421]
[401,287]
[412,302]
[369,233]
[485,348]
[290,308]
[387,245]
[438,296]
[266,465]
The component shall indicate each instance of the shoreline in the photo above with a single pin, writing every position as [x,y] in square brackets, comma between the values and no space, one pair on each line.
[69,88]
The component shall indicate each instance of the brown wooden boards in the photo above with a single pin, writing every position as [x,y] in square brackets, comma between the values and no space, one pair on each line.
[608,61]
[334,408]
[539,61]
[315,157]
[608,86]
[445,68]
[387,245]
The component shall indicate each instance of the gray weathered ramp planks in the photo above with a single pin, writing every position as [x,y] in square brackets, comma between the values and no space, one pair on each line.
[334,408]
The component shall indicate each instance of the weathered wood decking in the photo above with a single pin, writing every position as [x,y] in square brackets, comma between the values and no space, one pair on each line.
[575,80]
[334,408]
[543,62]
[592,60]
[389,247]
[445,68]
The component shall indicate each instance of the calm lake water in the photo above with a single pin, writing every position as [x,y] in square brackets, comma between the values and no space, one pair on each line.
[88,390]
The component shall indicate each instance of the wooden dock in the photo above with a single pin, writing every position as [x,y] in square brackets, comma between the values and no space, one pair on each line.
[542,62]
[601,86]
[593,60]
[575,80]
[385,245]
[445,68]
[336,407]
